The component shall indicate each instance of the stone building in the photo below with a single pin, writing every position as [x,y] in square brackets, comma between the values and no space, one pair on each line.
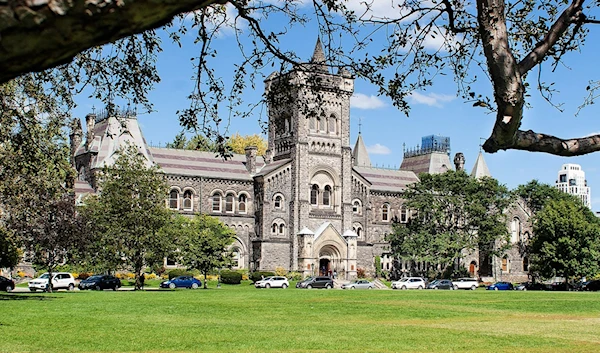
[313,204]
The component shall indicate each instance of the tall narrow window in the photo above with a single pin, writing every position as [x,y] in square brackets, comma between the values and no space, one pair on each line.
[173,200]
[504,264]
[313,124]
[322,123]
[314,194]
[242,203]
[332,124]
[281,229]
[187,200]
[525,264]
[274,228]
[229,203]
[385,210]
[356,207]
[327,195]
[278,202]
[216,203]
[403,215]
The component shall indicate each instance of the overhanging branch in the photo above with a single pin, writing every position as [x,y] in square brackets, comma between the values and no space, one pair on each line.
[37,35]
[538,142]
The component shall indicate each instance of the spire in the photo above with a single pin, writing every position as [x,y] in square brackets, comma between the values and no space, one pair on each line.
[360,154]
[480,169]
[318,58]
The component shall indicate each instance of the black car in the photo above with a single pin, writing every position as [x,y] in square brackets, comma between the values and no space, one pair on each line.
[592,286]
[6,284]
[531,286]
[100,282]
[316,282]
[441,284]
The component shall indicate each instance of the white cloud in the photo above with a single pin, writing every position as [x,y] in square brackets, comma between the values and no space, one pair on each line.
[362,101]
[378,149]
[431,99]
[381,9]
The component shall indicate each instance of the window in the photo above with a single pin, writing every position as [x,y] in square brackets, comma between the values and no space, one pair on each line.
[229,203]
[525,264]
[504,264]
[173,200]
[321,121]
[563,178]
[332,123]
[274,228]
[385,212]
[187,200]
[356,207]
[515,228]
[278,202]
[216,203]
[359,232]
[281,229]
[314,194]
[326,195]
[403,215]
[242,204]
[313,124]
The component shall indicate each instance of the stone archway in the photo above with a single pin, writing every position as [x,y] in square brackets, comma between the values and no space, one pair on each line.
[330,260]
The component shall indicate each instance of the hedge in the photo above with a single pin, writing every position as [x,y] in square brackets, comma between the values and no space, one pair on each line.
[231,277]
[258,275]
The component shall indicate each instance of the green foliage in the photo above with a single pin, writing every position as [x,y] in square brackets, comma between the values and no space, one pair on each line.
[179,272]
[129,215]
[294,276]
[566,240]
[451,212]
[536,194]
[202,242]
[378,265]
[231,277]
[9,252]
[258,275]
[198,142]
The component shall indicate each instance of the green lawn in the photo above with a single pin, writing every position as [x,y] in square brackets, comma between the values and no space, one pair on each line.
[244,319]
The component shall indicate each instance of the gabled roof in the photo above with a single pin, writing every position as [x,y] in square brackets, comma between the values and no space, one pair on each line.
[480,169]
[387,179]
[268,168]
[360,154]
[201,164]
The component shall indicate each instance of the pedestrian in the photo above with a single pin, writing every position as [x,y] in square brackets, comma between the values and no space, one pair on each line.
[334,274]
[142,278]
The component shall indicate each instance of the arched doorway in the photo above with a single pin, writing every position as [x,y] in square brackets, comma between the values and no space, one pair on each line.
[330,260]
[472,268]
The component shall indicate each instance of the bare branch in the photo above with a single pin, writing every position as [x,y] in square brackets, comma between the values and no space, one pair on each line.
[537,142]
[554,34]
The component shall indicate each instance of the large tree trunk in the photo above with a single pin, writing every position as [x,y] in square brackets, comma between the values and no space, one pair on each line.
[39,34]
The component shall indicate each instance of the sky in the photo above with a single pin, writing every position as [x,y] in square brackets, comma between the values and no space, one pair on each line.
[387,131]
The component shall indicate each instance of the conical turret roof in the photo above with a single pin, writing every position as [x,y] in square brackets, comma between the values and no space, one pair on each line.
[318,59]
[360,154]
[480,169]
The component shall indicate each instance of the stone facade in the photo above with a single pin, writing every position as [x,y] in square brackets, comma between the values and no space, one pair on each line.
[313,204]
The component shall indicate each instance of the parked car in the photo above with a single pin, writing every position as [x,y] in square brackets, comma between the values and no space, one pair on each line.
[592,286]
[359,284]
[100,282]
[561,286]
[531,286]
[6,284]
[181,282]
[501,286]
[316,282]
[441,284]
[465,283]
[409,283]
[272,282]
[60,280]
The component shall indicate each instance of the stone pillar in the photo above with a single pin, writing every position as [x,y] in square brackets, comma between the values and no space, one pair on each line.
[90,121]
[350,237]
[251,152]
[305,260]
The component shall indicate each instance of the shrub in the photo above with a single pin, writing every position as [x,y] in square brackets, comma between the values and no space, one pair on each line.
[280,271]
[360,272]
[21,274]
[150,276]
[294,276]
[258,275]
[231,277]
[377,266]
[179,272]
[83,275]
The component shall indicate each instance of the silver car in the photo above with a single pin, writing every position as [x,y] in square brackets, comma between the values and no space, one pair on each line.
[359,284]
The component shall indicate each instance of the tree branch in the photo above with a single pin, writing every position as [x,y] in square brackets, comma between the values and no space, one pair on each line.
[554,34]
[37,35]
[537,142]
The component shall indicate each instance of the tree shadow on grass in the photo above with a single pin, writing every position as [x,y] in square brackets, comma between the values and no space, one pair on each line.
[25,297]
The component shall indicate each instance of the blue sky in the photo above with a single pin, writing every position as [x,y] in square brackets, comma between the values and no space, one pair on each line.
[385,129]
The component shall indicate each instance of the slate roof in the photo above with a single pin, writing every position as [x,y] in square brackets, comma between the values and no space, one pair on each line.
[387,179]
[202,164]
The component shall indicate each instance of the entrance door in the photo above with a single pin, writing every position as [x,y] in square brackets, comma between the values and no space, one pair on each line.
[324,267]
[472,268]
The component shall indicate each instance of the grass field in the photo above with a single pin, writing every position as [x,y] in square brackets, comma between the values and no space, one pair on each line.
[244,319]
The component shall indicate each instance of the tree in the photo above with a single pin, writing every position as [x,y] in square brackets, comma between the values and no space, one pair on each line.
[508,40]
[566,240]
[238,143]
[9,252]
[536,194]
[451,213]
[129,214]
[203,245]
[198,142]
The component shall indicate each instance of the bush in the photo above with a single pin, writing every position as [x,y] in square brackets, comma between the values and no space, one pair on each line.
[179,272]
[231,277]
[280,271]
[83,275]
[361,273]
[294,276]
[258,275]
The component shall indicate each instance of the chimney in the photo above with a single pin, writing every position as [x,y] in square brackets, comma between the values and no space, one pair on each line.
[90,120]
[75,136]
[251,152]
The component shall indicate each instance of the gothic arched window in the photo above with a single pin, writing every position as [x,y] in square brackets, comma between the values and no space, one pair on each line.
[187,200]
[332,124]
[327,195]
[173,199]
[274,228]
[278,202]
[242,204]
[229,203]
[322,123]
[314,194]
[385,212]
[282,229]
[216,202]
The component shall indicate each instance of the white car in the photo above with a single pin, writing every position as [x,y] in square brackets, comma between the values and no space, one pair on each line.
[60,280]
[409,283]
[465,283]
[272,282]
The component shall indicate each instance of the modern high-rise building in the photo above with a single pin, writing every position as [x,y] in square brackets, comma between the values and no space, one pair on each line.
[571,179]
